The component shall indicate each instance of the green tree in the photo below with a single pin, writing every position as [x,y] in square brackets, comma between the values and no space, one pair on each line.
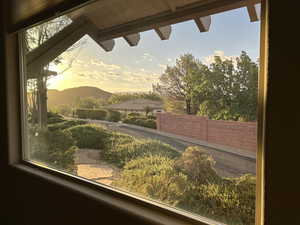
[122,97]
[88,103]
[178,82]
[229,91]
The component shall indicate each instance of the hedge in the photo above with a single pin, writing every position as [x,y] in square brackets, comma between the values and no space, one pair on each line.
[121,153]
[54,118]
[95,114]
[141,121]
[113,116]
[65,125]
[153,177]
[53,148]
[90,136]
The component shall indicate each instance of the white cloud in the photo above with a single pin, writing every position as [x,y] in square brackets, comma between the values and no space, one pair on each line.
[211,58]
[91,71]
[163,66]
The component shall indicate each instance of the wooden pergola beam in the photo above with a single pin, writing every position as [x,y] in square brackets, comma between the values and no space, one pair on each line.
[167,18]
[164,32]
[56,45]
[61,41]
[203,23]
[133,39]
[171,5]
[254,12]
[45,73]
[107,45]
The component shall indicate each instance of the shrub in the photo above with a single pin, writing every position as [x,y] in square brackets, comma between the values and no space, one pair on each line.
[95,114]
[231,201]
[119,154]
[54,118]
[90,136]
[116,139]
[133,115]
[141,121]
[153,177]
[152,117]
[113,116]
[65,125]
[198,165]
[54,148]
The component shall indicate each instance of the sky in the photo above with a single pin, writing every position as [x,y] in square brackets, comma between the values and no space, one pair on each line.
[135,69]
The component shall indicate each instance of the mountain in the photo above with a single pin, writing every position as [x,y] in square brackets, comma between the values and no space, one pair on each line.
[70,95]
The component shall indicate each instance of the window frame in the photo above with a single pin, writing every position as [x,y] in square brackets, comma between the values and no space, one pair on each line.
[148,210]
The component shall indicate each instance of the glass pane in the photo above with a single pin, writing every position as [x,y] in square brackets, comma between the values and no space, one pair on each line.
[171,120]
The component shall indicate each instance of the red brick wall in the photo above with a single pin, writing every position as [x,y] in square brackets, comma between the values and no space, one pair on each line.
[240,135]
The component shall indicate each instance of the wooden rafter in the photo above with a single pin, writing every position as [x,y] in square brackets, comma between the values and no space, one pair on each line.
[133,39]
[164,32]
[180,15]
[55,46]
[170,4]
[203,23]
[254,12]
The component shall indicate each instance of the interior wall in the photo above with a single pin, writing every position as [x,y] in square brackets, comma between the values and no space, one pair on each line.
[282,124]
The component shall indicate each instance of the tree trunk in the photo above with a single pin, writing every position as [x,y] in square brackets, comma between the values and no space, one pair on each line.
[188,106]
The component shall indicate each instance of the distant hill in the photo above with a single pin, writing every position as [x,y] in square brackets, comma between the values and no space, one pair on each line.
[70,95]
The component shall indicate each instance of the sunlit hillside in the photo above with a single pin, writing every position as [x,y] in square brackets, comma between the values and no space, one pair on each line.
[71,95]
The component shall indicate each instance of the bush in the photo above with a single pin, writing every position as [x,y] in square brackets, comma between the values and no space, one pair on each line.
[113,116]
[65,125]
[141,121]
[133,115]
[90,136]
[230,201]
[119,154]
[54,118]
[197,165]
[153,177]
[54,148]
[94,114]
[152,117]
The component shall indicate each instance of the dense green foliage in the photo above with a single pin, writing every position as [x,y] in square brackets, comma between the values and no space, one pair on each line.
[89,103]
[140,121]
[148,121]
[113,116]
[99,114]
[197,165]
[121,153]
[190,182]
[224,90]
[154,177]
[54,118]
[63,109]
[152,169]
[231,91]
[122,97]
[90,136]
[94,114]
[65,124]
[54,148]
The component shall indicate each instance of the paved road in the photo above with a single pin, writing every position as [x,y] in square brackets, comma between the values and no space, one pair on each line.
[227,164]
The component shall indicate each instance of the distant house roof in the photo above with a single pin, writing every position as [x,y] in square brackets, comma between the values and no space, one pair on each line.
[137,105]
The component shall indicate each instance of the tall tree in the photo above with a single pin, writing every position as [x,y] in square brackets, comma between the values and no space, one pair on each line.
[178,81]
[230,89]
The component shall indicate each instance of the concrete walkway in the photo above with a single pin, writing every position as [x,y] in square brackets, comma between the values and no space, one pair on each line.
[90,166]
